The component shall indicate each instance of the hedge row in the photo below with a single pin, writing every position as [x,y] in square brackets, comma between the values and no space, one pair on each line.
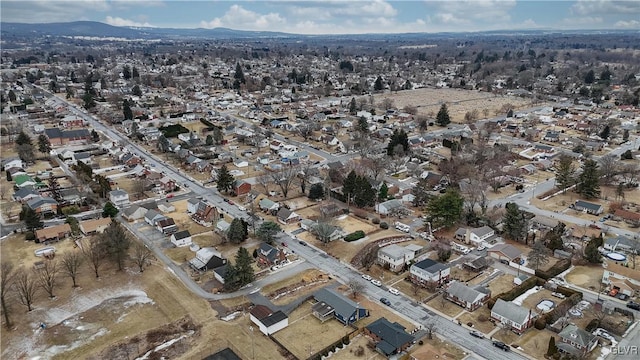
[559,311]
[516,291]
[556,269]
[171,131]
[356,235]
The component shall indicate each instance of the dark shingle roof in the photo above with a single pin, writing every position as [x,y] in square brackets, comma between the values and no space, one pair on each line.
[430,266]
[393,334]
[343,306]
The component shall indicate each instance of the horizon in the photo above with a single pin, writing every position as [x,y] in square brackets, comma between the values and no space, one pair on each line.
[336,17]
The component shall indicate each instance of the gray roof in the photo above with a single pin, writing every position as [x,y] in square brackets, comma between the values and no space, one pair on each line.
[24,192]
[394,251]
[587,205]
[391,204]
[342,305]
[392,335]
[39,201]
[511,311]
[508,250]
[117,192]
[273,318]
[466,293]
[573,333]
[482,231]
[430,266]
[182,235]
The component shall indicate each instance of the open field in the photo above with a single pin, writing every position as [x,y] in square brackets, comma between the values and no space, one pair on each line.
[306,334]
[588,277]
[501,284]
[479,319]
[458,101]
[534,342]
[112,310]
[437,349]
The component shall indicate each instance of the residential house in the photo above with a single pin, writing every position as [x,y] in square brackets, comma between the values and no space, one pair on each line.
[622,244]
[167,226]
[205,214]
[166,184]
[624,279]
[134,212]
[475,263]
[576,341]
[331,304]
[551,136]
[588,207]
[630,217]
[269,255]
[268,322]
[470,298]
[192,205]
[119,197]
[429,271]
[71,196]
[332,234]
[390,338]
[287,216]
[397,257]
[15,171]
[59,137]
[25,194]
[330,210]
[267,205]
[220,272]
[94,226]
[207,258]
[514,316]
[11,163]
[241,187]
[53,233]
[505,252]
[389,207]
[83,157]
[24,180]
[43,205]
[475,236]
[181,238]
[152,217]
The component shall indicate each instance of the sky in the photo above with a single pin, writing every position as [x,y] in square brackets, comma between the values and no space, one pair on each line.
[335,16]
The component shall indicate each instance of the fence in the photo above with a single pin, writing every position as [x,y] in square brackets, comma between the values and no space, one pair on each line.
[338,343]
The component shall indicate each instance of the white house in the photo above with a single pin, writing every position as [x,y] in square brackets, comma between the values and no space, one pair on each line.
[475,236]
[396,256]
[389,206]
[268,321]
[119,197]
[621,278]
[181,238]
[12,163]
[429,271]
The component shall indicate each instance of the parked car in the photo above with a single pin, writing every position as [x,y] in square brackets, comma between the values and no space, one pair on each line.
[558,295]
[613,292]
[376,282]
[231,202]
[476,334]
[302,243]
[481,247]
[394,291]
[506,262]
[603,334]
[366,277]
[501,345]
[385,301]
[633,305]
[242,208]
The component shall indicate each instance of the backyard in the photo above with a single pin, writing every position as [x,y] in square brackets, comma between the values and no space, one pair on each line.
[588,277]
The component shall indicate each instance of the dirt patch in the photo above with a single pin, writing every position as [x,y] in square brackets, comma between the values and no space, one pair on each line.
[437,349]
[479,319]
[534,342]
[502,283]
[586,276]
[444,306]
[358,348]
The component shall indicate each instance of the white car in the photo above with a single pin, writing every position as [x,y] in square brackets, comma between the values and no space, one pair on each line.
[242,208]
[481,247]
[604,334]
[366,277]
[394,291]
[376,282]
[558,295]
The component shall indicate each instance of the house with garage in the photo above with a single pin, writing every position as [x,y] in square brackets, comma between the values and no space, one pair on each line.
[268,205]
[134,212]
[167,226]
[429,271]
[625,280]
[207,258]
[475,236]
[181,238]
[389,207]
[10,163]
[269,255]
[43,205]
[241,187]
[576,341]
[470,298]
[588,207]
[119,197]
[268,322]
[94,226]
[25,194]
[331,304]
[53,233]
[286,216]
[513,316]
[390,338]
[397,257]
[152,217]
[505,252]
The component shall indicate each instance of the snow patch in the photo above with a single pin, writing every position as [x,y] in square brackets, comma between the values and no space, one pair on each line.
[523,297]
[164,346]
[231,316]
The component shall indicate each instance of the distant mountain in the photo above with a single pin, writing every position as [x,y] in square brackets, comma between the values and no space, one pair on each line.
[98,29]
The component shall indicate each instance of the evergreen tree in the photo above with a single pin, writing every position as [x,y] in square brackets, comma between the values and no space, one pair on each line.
[378,85]
[54,189]
[109,210]
[243,266]
[353,108]
[44,146]
[514,223]
[135,90]
[236,232]
[445,210]
[510,113]
[12,96]
[362,125]
[443,118]
[565,173]
[23,139]
[268,230]
[590,77]
[135,74]
[239,74]
[32,220]
[364,194]
[116,243]
[218,137]
[126,110]
[399,137]
[604,134]
[126,72]
[88,101]
[231,278]
[349,184]
[224,179]
[383,193]
[316,191]
[552,349]
[589,181]
[95,136]
[591,252]
[209,140]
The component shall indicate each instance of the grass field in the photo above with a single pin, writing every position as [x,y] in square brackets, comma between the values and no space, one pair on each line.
[359,342]
[501,284]
[479,319]
[588,277]
[445,306]
[437,349]
[533,342]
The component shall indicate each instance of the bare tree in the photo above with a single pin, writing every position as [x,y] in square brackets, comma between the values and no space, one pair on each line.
[608,167]
[26,288]
[7,277]
[141,256]
[265,181]
[431,329]
[356,288]
[387,104]
[285,178]
[115,240]
[370,256]
[323,231]
[95,253]
[138,188]
[305,130]
[71,263]
[539,255]
[47,276]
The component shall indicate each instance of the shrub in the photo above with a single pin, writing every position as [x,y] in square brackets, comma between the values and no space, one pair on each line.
[360,213]
[375,220]
[540,323]
[592,325]
[483,318]
[556,269]
[29,235]
[356,235]
[384,225]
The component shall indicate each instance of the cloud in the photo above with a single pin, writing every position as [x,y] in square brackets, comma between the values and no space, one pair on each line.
[603,7]
[631,24]
[238,17]
[529,24]
[118,21]
[467,11]
[51,11]
[582,21]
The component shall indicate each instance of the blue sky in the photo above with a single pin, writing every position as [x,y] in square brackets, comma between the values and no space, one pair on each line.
[336,17]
